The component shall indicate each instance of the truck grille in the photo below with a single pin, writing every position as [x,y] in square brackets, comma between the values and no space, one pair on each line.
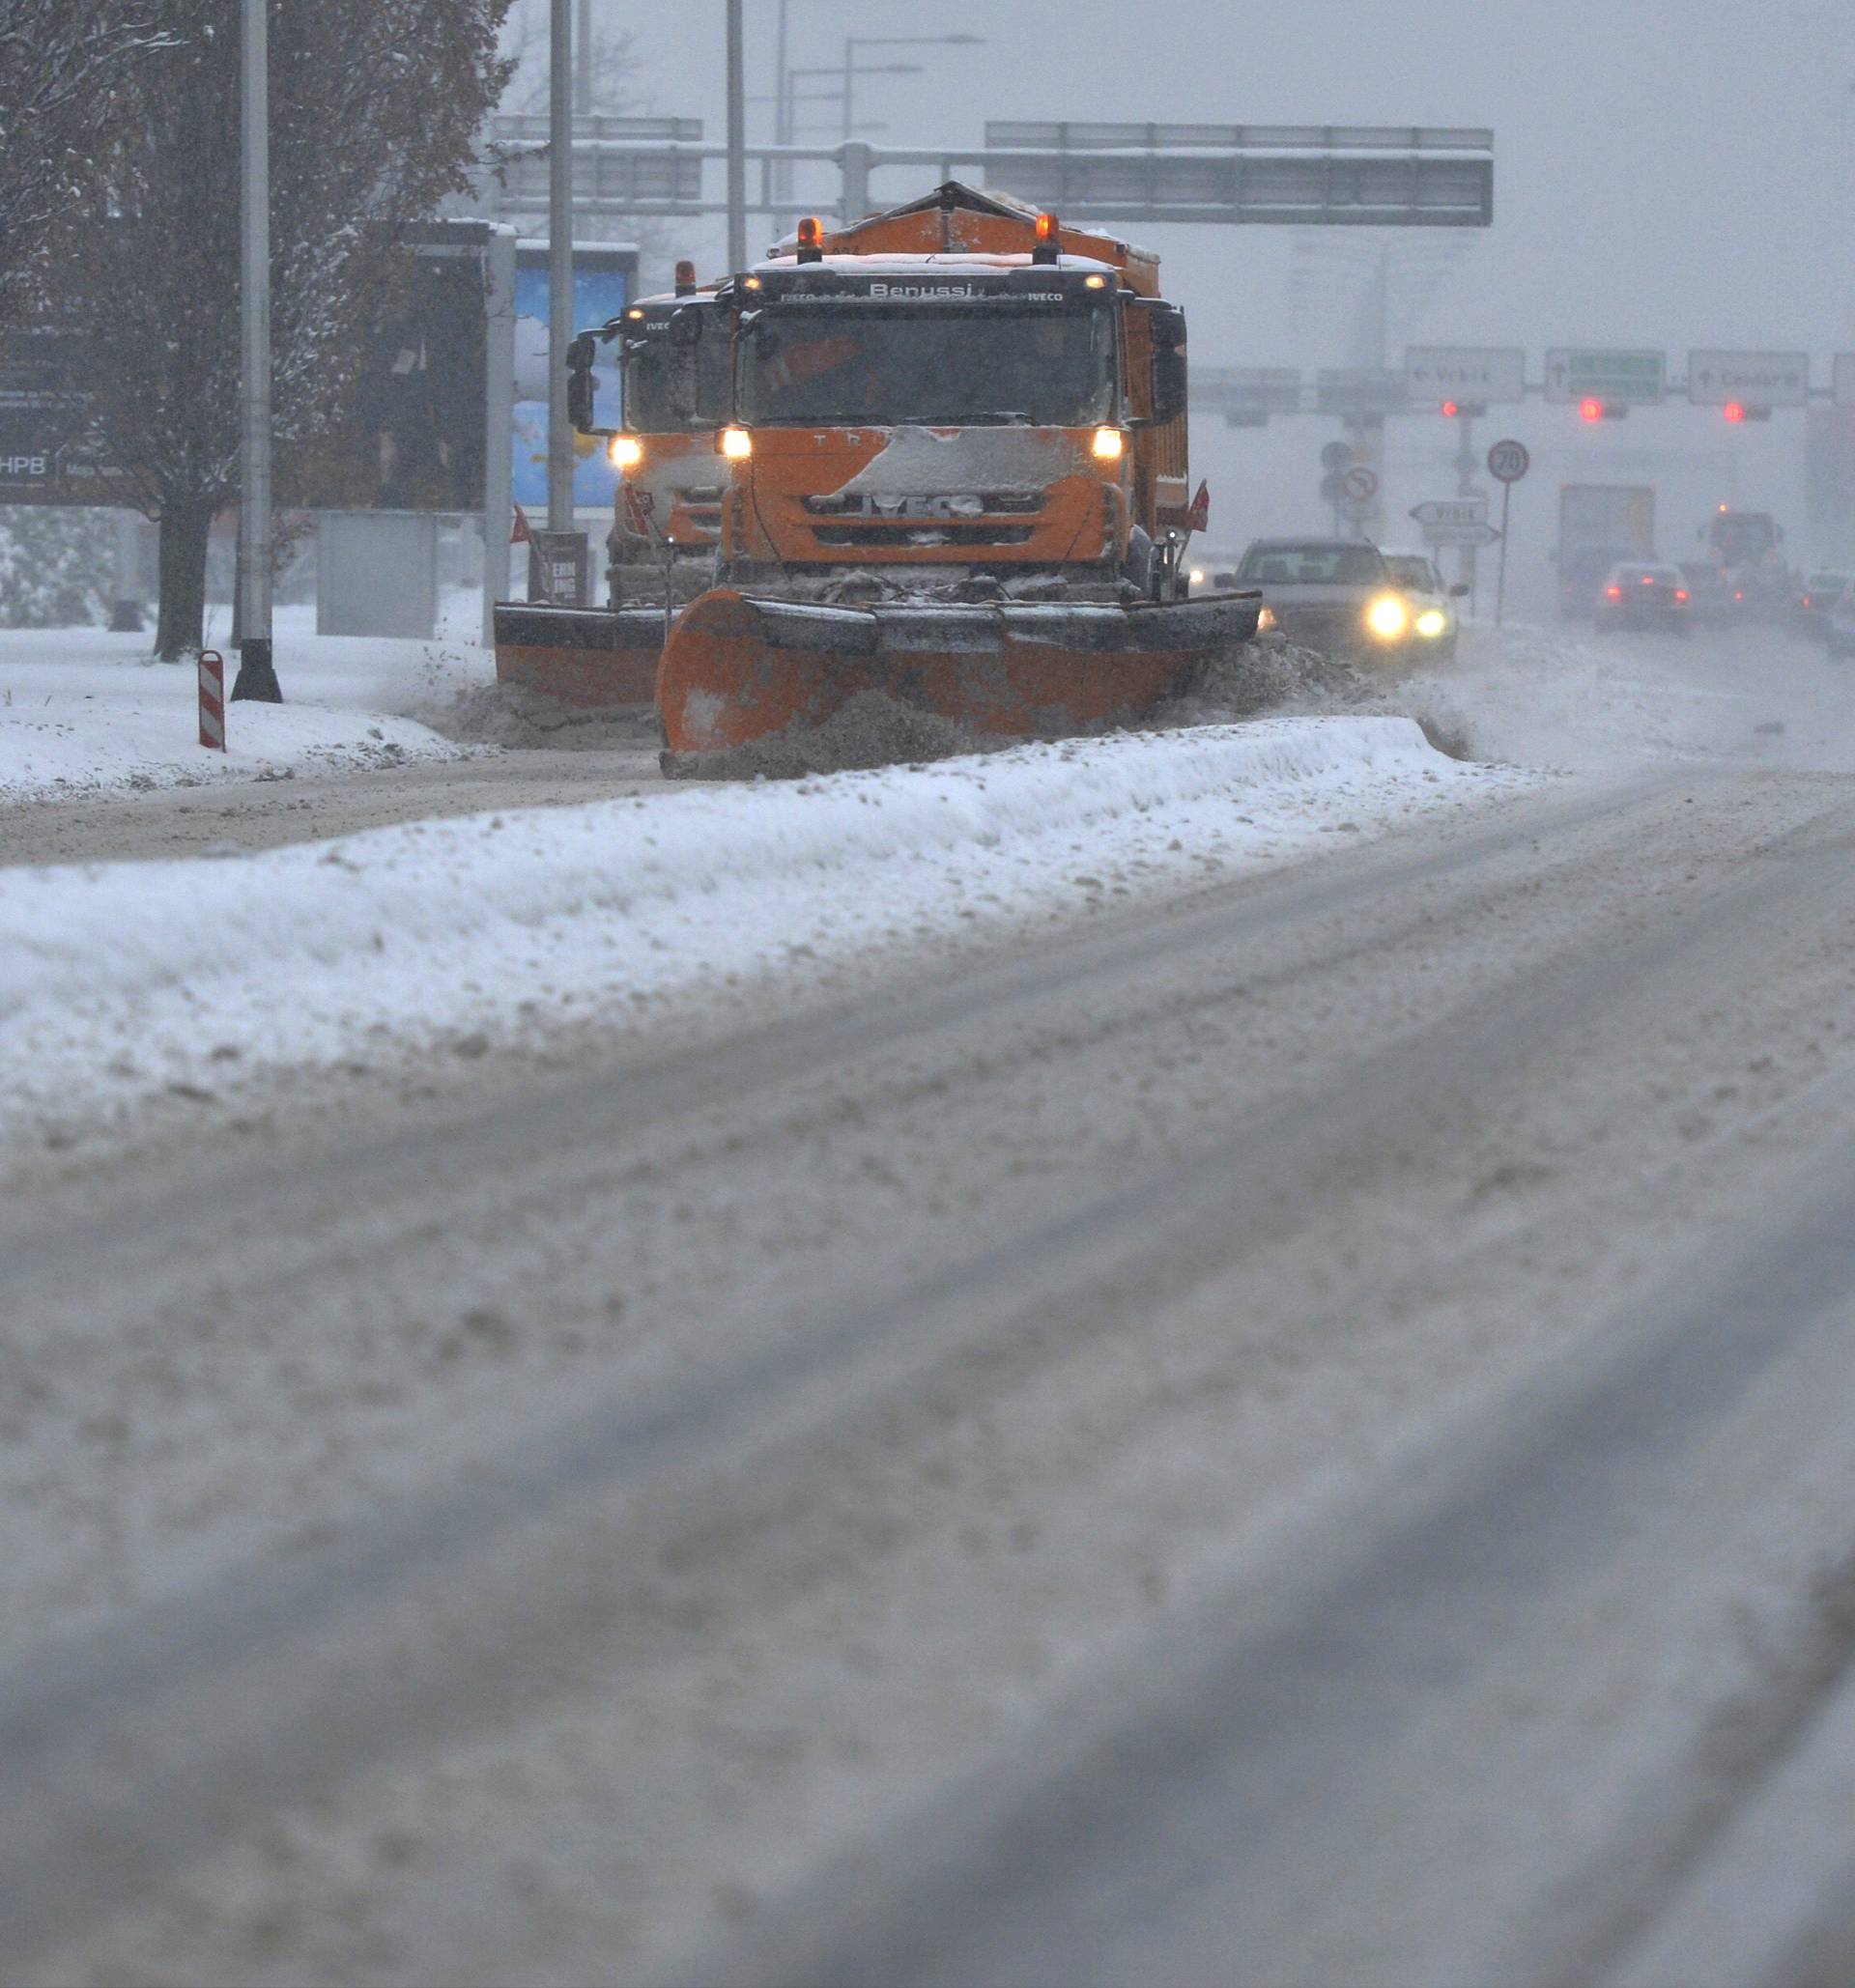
[922,532]
[954,505]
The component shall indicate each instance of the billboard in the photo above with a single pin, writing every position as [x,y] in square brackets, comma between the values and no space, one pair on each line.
[603,279]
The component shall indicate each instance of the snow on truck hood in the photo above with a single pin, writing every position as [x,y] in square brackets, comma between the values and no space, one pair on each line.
[944,262]
[928,461]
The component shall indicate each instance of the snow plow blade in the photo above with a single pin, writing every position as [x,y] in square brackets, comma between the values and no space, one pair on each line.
[738,668]
[587,656]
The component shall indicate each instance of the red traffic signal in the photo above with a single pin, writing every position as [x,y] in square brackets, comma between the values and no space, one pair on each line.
[1590,411]
[1734,410]
[1451,409]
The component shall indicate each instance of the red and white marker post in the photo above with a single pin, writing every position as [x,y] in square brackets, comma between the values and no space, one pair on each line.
[213,699]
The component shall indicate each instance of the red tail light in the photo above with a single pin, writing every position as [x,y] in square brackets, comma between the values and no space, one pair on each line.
[1616,593]
[1648,580]
[1680,593]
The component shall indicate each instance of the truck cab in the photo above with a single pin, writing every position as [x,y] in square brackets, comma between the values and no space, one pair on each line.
[968,416]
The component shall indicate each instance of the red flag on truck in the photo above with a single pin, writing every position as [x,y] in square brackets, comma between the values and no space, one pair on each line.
[1199,515]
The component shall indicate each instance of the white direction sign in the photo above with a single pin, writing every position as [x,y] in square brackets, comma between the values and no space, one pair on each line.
[1459,534]
[1450,513]
[1638,379]
[1844,379]
[1757,379]
[1464,372]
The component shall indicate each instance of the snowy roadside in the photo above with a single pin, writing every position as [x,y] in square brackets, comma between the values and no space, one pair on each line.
[121,983]
[83,712]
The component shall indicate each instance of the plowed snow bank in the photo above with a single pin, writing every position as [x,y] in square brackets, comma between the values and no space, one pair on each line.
[124,981]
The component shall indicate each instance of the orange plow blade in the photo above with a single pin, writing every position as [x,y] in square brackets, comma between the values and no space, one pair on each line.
[738,668]
[587,656]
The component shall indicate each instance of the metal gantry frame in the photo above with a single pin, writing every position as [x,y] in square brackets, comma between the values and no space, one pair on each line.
[1313,176]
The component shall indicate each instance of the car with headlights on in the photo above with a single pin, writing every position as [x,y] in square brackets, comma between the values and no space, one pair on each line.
[1433,621]
[1332,594]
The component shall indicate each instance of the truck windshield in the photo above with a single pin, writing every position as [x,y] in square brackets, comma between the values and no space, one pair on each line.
[1742,537]
[929,366]
[650,378]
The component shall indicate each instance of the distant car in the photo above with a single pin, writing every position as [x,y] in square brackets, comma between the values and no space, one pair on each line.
[1636,595]
[1709,596]
[1332,594]
[1818,594]
[1433,602]
[1581,573]
[1840,632]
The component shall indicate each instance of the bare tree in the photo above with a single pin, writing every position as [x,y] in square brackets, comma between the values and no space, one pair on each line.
[376,107]
[60,63]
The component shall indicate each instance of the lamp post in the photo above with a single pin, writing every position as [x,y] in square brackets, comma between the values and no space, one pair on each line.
[257,678]
[560,263]
[736,139]
[852,42]
[795,95]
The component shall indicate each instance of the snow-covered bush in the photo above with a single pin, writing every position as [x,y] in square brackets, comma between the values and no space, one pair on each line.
[55,566]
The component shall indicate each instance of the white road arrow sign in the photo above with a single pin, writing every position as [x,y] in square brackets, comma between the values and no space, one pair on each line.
[1758,379]
[1455,511]
[1459,535]
[1466,372]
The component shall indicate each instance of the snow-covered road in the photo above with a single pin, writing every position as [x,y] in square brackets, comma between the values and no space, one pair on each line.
[1295,1406]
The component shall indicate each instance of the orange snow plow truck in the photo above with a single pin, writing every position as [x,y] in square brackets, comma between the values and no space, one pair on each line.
[955,475]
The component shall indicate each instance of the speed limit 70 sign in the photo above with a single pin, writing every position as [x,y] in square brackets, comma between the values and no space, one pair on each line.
[1508,462]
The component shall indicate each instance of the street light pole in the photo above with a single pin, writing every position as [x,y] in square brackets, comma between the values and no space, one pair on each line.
[583,80]
[852,42]
[257,678]
[560,263]
[781,113]
[736,140]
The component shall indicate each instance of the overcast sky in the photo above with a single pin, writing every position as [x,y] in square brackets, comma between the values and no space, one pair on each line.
[1665,175]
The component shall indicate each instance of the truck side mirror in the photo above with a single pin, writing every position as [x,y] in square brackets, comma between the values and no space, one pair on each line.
[1167,327]
[1168,385]
[580,382]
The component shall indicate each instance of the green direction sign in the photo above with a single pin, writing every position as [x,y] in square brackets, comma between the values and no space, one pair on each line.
[1637,377]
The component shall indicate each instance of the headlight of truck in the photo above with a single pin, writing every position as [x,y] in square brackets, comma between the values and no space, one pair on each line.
[626,451]
[1432,622]
[1387,617]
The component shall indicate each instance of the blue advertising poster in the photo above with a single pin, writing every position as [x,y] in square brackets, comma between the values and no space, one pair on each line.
[603,279]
